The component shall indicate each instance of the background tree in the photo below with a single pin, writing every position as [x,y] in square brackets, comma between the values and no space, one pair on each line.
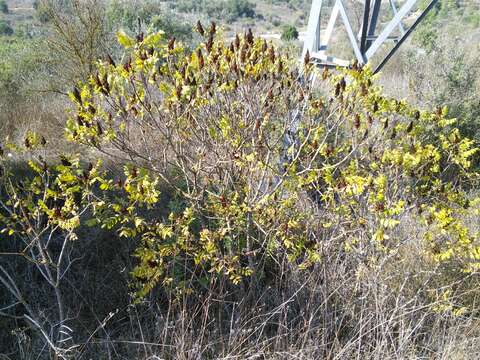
[76,38]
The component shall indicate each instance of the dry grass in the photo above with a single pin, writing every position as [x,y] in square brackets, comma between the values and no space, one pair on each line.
[343,308]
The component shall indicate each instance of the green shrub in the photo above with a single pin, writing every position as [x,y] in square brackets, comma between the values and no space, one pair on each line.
[294,4]
[350,176]
[5,28]
[448,75]
[275,20]
[3,7]
[42,12]
[426,36]
[172,26]
[17,61]
[239,8]
[121,14]
[126,14]
[289,33]
[227,9]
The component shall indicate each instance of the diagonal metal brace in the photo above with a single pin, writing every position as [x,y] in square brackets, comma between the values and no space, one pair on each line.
[367,44]
[405,36]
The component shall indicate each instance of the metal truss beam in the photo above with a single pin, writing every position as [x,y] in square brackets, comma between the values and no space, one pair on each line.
[367,43]
[405,36]
[373,22]
[366,18]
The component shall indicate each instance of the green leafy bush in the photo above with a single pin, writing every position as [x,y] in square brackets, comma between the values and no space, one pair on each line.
[251,203]
[121,14]
[448,76]
[173,27]
[226,9]
[3,7]
[289,33]
[240,8]
[296,4]
[5,28]
[42,10]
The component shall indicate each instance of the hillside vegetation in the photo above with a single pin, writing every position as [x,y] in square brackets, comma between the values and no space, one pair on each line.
[172,190]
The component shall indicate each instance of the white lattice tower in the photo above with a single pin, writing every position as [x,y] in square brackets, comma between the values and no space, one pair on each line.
[370,35]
